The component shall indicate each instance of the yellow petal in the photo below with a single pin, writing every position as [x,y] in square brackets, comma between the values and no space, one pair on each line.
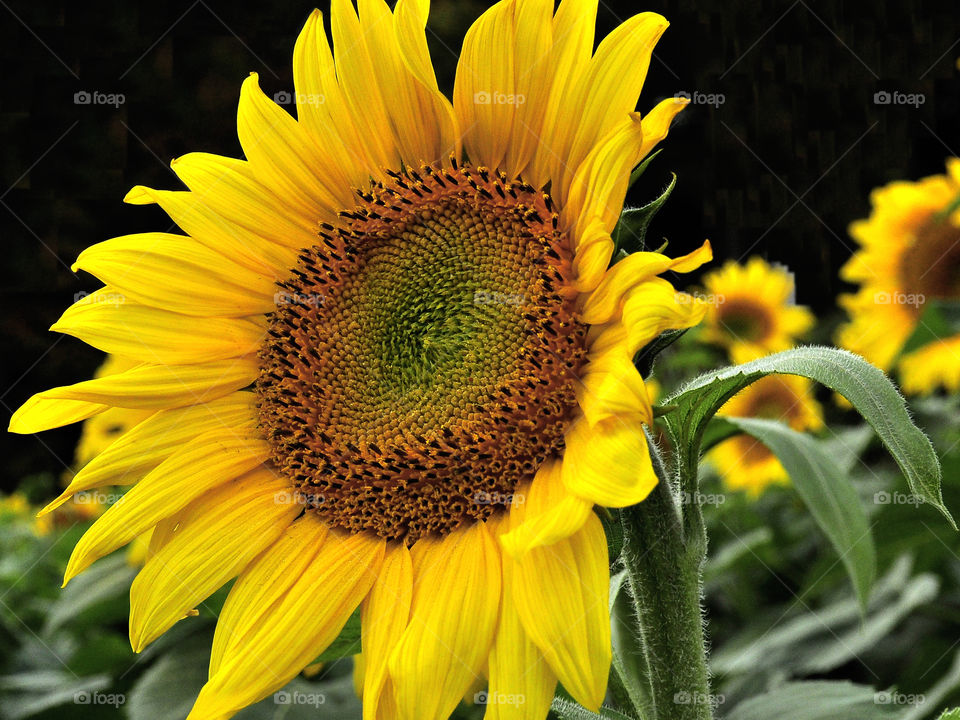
[599,186]
[551,513]
[604,303]
[611,385]
[484,95]
[212,459]
[358,82]
[419,114]
[283,159]
[229,188]
[178,274]
[592,257]
[521,682]
[149,334]
[531,46]
[152,441]
[610,87]
[654,307]
[608,463]
[561,595]
[386,612]
[274,643]
[573,31]
[215,232]
[454,615]
[217,536]
[656,124]
[321,107]
[147,387]
[38,414]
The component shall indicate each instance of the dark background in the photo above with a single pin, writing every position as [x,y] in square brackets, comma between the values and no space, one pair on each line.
[779,169]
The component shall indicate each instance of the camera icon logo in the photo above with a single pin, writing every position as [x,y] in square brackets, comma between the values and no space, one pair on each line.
[882,97]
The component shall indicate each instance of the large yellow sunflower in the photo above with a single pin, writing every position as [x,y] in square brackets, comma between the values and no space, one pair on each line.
[752,311]
[388,364]
[743,462]
[909,255]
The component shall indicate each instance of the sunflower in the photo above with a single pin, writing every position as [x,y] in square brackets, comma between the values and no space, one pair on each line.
[909,255]
[742,462]
[389,365]
[751,310]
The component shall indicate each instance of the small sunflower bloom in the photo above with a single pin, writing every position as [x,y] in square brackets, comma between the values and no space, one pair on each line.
[752,311]
[743,462]
[389,366]
[909,256]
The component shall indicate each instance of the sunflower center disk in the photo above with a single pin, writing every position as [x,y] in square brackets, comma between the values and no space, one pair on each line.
[422,358]
[930,269]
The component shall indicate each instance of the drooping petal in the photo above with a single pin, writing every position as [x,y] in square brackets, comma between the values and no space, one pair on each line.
[149,334]
[605,302]
[551,512]
[212,459]
[177,274]
[456,597]
[148,387]
[610,385]
[608,463]
[216,233]
[522,683]
[217,536]
[386,612]
[152,441]
[273,643]
[229,188]
[561,595]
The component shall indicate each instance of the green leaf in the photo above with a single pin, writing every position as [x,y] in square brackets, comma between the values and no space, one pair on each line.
[30,693]
[631,230]
[827,493]
[630,678]
[642,167]
[798,640]
[951,715]
[647,355]
[566,710]
[100,594]
[169,687]
[865,386]
[818,700]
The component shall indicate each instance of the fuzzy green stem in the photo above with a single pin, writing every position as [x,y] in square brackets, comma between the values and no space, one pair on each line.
[663,555]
